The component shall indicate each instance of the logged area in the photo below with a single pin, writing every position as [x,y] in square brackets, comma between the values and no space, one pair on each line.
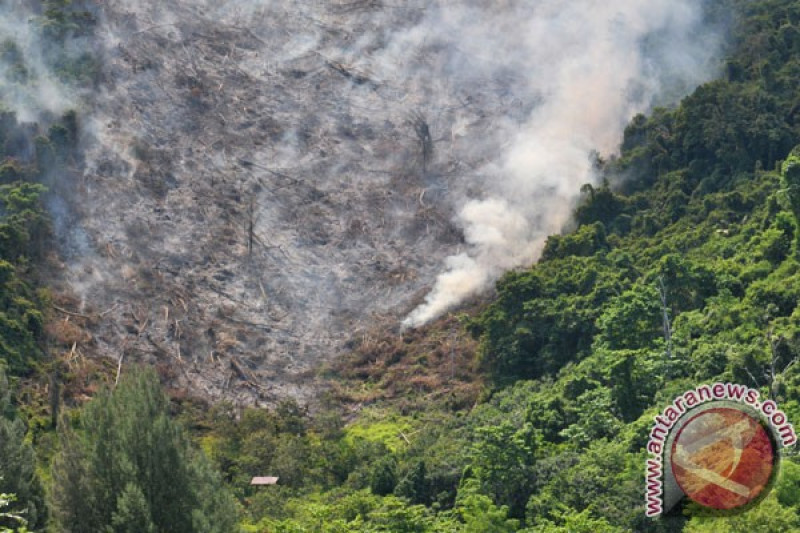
[256,194]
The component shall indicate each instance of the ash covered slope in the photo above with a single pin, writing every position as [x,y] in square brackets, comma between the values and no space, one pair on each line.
[268,180]
[262,185]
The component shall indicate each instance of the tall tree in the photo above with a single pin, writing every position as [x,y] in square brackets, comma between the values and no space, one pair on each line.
[17,472]
[502,457]
[128,465]
[790,172]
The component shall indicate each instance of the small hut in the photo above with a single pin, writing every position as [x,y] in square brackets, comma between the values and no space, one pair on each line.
[265,480]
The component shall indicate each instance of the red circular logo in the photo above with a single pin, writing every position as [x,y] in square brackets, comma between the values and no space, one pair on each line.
[722,458]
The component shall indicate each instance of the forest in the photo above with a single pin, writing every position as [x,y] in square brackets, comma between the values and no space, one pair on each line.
[682,267]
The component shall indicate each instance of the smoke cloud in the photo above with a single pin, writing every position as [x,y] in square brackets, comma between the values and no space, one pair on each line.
[589,66]
[28,86]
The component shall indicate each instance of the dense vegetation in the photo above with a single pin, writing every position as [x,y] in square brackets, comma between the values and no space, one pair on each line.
[17,469]
[684,267]
[33,157]
[130,466]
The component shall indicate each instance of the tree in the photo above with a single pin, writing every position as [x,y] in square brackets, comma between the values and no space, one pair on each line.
[23,225]
[766,517]
[577,523]
[596,418]
[631,320]
[384,476]
[606,480]
[502,457]
[17,465]
[396,516]
[133,513]
[72,497]
[790,172]
[478,512]
[415,485]
[127,465]
[22,230]
[5,516]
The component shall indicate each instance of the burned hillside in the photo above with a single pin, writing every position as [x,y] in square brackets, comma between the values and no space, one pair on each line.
[261,185]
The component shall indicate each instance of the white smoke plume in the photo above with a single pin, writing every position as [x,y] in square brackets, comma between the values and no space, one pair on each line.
[33,88]
[593,65]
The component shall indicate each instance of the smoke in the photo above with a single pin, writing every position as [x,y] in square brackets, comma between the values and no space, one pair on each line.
[588,66]
[283,175]
[41,57]
[28,86]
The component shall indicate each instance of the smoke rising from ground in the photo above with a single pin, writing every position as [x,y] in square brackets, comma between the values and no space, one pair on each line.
[28,86]
[264,182]
[591,65]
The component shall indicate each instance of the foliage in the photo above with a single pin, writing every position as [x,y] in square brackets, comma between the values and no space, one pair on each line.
[5,516]
[127,464]
[23,228]
[767,517]
[25,231]
[790,172]
[64,18]
[501,461]
[479,513]
[384,476]
[384,429]
[575,523]
[415,486]
[17,467]
[23,225]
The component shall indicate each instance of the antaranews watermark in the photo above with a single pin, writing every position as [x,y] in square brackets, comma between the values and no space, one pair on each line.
[719,445]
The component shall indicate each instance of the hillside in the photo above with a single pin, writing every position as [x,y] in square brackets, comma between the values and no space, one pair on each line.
[256,203]
[261,184]
[696,220]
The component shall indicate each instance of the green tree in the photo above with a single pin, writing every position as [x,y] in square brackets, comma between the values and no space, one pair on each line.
[787,489]
[478,512]
[502,458]
[384,476]
[6,516]
[72,495]
[396,516]
[17,465]
[606,480]
[415,485]
[631,320]
[135,467]
[790,173]
[576,523]
[133,512]
[596,418]
[23,227]
[23,224]
[767,517]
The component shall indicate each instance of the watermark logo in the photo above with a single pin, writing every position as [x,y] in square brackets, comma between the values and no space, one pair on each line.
[719,445]
[722,458]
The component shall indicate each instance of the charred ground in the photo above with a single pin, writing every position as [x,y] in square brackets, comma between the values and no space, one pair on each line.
[258,190]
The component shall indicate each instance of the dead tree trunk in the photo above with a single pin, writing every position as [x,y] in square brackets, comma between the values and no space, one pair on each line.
[423,133]
[662,293]
[251,223]
[774,372]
